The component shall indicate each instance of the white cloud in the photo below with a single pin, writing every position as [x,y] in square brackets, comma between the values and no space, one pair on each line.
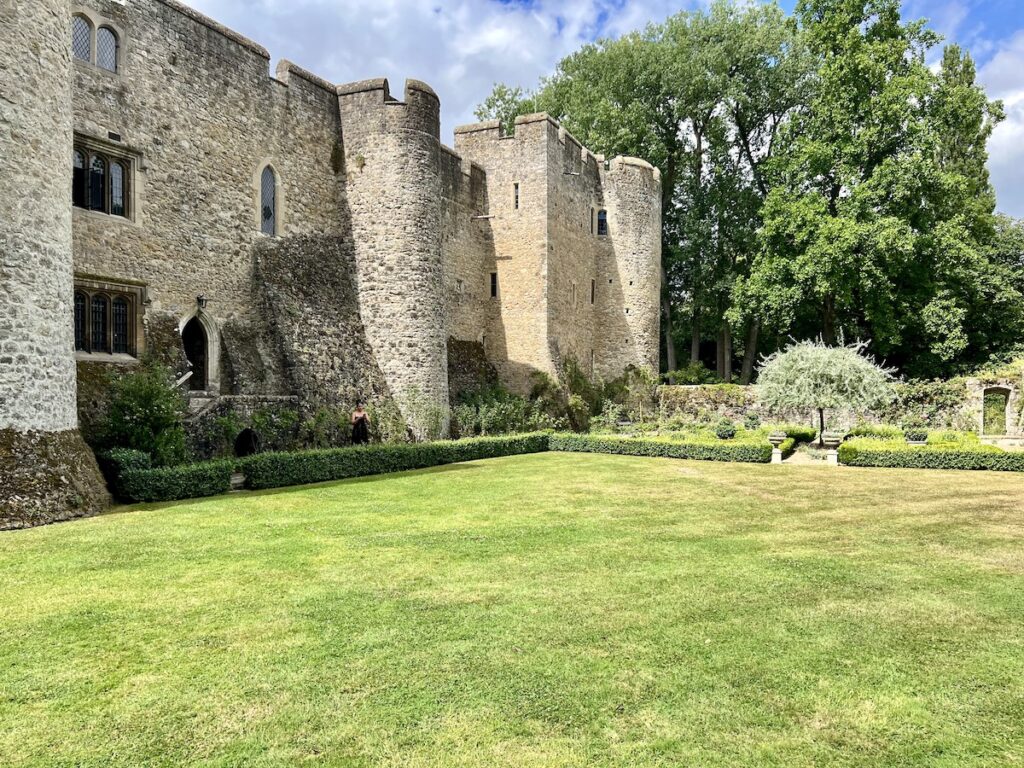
[459,47]
[1003,76]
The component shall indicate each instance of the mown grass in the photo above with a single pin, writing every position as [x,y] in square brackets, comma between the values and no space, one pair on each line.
[545,610]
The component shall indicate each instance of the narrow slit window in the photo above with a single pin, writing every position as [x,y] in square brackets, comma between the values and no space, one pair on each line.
[268,202]
[494,285]
[574,294]
[515,195]
[602,223]
[591,221]
[107,49]
[81,38]
[593,290]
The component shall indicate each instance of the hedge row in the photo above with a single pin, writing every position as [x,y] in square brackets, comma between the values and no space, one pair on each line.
[755,453]
[189,481]
[277,470]
[872,453]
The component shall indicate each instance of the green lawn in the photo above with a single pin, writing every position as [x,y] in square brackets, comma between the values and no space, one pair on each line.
[545,610]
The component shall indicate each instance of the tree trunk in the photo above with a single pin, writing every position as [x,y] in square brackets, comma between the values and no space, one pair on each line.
[720,355]
[750,351]
[726,352]
[666,310]
[821,422]
[695,337]
[828,330]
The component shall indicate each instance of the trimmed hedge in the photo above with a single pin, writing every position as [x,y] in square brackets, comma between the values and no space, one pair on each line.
[278,470]
[189,481]
[754,453]
[866,452]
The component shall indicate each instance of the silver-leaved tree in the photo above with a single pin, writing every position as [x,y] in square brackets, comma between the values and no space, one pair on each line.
[812,374]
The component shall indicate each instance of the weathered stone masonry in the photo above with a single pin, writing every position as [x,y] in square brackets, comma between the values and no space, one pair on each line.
[379,268]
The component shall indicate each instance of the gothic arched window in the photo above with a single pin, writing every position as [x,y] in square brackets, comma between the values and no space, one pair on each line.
[268,202]
[108,49]
[100,183]
[81,38]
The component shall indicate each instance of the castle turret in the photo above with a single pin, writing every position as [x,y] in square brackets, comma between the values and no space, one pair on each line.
[393,192]
[46,471]
[632,196]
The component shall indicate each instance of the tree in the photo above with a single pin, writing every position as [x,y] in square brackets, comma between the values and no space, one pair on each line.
[505,104]
[880,209]
[812,374]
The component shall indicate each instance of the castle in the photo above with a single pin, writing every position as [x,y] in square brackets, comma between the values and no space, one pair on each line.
[280,237]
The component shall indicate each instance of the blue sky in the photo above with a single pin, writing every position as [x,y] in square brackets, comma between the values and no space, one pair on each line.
[461,47]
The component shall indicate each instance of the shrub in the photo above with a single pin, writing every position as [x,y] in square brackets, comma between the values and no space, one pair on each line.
[751,421]
[759,452]
[275,470]
[145,414]
[876,432]
[694,373]
[725,429]
[188,481]
[873,453]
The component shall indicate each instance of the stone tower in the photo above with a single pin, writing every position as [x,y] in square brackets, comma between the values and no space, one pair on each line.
[393,195]
[632,196]
[46,471]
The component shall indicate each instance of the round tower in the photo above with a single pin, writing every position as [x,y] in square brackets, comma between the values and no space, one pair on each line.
[632,194]
[393,198]
[47,472]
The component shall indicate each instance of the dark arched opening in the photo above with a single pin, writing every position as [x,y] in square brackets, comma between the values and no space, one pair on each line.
[193,338]
[997,401]
[247,443]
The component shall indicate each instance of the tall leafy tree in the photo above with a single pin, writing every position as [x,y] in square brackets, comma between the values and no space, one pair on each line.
[881,207]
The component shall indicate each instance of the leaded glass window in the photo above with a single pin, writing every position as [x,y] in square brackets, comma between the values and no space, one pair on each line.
[81,38]
[98,332]
[98,184]
[120,325]
[101,183]
[107,49]
[78,183]
[117,207]
[602,223]
[80,304]
[268,202]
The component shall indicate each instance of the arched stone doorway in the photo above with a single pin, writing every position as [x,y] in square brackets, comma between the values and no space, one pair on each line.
[196,344]
[200,339]
[247,443]
[996,418]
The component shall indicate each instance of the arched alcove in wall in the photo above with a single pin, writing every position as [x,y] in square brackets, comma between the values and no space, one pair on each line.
[247,443]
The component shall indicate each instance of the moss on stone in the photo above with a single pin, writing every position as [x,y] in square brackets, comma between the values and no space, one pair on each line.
[48,477]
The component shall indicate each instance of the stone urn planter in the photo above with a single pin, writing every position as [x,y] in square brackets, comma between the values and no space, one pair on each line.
[832,441]
[916,436]
[777,439]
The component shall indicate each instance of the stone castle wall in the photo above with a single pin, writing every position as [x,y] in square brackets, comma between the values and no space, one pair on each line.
[385,244]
